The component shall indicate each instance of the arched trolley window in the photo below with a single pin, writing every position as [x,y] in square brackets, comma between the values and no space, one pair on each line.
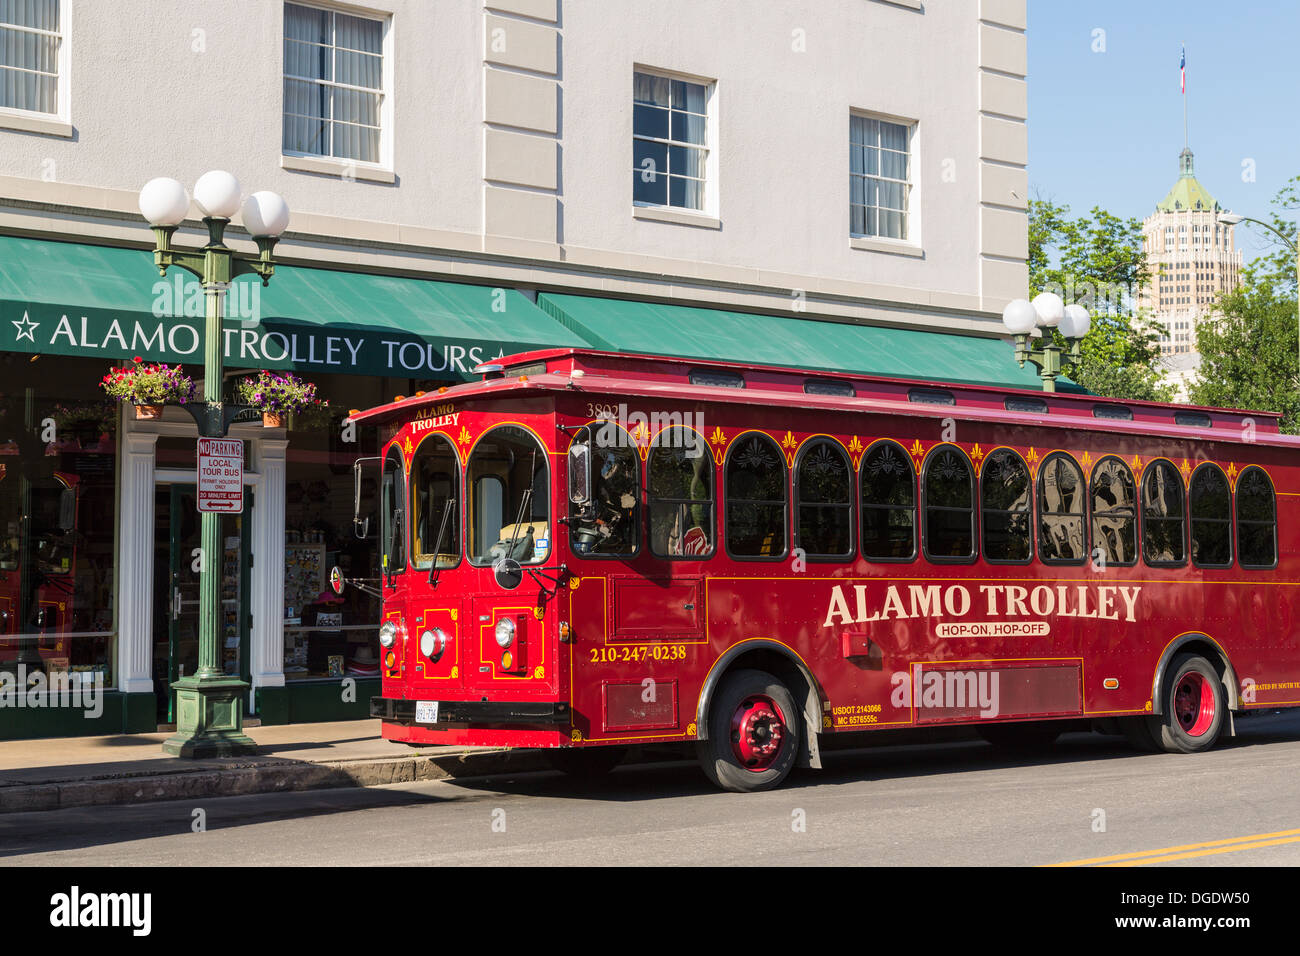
[1114,512]
[756,499]
[1164,518]
[608,524]
[948,506]
[888,485]
[509,498]
[1210,503]
[680,496]
[1062,511]
[824,501]
[435,503]
[1005,502]
[1256,520]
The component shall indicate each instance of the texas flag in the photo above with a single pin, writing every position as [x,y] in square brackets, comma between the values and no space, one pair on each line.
[1182,72]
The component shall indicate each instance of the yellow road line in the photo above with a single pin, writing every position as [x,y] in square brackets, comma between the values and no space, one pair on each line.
[1155,855]
[1224,849]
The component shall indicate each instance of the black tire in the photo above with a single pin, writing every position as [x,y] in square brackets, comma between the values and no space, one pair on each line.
[1195,707]
[585,763]
[1137,730]
[1020,737]
[721,755]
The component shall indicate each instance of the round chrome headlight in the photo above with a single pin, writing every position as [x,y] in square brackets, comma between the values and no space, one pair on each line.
[433,643]
[505,632]
[387,633]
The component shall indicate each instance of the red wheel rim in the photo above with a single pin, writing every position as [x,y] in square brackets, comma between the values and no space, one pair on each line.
[1194,704]
[758,732]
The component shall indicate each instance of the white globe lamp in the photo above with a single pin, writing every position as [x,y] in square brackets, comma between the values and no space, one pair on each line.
[1019,317]
[1075,322]
[164,202]
[266,215]
[217,194]
[1050,309]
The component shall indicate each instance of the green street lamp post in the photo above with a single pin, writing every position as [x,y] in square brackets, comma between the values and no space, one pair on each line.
[1046,312]
[209,713]
[1232,219]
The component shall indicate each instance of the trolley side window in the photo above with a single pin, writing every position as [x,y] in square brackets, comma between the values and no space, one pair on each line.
[948,487]
[888,504]
[1211,508]
[1114,512]
[824,501]
[435,504]
[392,543]
[1256,520]
[1062,534]
[679,484]
[608,524]
[756,499]
[509,498]
[1005,491]
[1164,519]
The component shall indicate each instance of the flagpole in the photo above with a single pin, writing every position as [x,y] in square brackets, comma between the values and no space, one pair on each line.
[1186,141]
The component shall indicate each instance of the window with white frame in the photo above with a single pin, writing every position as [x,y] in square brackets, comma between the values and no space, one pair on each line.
[333,83]
[670,149]
[880,169]
[30,42]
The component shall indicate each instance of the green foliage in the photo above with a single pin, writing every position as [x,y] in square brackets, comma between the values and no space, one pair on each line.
[1249,356]
[1098,261]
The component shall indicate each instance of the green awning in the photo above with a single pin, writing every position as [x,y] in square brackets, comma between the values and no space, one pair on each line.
[625,326]
[66,298]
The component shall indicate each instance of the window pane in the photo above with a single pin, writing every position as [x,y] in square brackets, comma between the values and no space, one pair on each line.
[1211,509]
[688,128]
[1113,513]
[893,136]
[28,91]
[514,520]
[650,89]
[689,96]
[857,190]
[1162,515]
[351,106]
[680,494]
[857,164]
[307,60]
[435,503]
[949,505]
[893,165]
[357,33]
[649,188]
[356,142]
[649,121]
[305,135]
[756,499]
[610,523]
[685,161]
[858,220]
[359,69]
[306,23]
[1004,488]
[892,225]
[685,193]
[29,51]
[825,496]
[1255,499]
[649,158]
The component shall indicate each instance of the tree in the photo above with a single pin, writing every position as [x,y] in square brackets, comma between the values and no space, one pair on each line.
[1249,355]
[1098,261]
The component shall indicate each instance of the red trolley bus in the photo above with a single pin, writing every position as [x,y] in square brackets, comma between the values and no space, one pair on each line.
[586,550]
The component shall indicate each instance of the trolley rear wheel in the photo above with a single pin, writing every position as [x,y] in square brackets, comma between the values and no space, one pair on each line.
[1195,707]
[755,732]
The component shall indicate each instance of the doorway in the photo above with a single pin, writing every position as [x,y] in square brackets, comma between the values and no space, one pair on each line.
[176,592]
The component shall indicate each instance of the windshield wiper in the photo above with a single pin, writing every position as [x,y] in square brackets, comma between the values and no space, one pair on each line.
[437,547]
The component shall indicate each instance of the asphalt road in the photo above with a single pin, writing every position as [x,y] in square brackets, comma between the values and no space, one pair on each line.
[1090,798]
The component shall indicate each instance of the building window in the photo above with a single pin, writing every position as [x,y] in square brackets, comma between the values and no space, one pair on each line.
[333,84]
[879,177]
[670,148]
[30,53]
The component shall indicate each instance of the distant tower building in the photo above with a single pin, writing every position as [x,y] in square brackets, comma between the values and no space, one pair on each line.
[1193,260]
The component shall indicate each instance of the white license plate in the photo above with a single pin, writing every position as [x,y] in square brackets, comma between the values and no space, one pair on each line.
[426,711]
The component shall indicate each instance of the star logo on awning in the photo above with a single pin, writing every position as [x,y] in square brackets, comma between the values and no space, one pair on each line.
[26,327]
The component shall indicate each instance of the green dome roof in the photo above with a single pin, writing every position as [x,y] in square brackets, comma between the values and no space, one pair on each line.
[1188,193]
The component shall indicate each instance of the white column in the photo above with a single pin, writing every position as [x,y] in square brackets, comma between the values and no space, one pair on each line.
[266,597]
[135,559]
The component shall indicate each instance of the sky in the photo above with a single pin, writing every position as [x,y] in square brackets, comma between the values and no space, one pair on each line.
[1106,115]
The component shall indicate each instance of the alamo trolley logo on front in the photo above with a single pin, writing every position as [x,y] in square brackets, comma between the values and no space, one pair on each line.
[1001,610]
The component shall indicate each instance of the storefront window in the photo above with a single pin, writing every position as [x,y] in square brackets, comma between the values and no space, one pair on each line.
[328,636]
[57,505]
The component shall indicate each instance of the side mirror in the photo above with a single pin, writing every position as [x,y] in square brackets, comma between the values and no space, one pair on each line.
[580,474]
[508,574]
[360,525]
[337,581]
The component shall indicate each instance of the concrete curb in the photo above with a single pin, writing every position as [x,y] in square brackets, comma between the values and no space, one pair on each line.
[272,776]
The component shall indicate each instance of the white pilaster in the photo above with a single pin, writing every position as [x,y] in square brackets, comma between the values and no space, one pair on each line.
[266,597]
[135,562]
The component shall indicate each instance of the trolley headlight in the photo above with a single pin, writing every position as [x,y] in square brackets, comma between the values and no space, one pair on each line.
[505,632]
[433,643]
[388,634]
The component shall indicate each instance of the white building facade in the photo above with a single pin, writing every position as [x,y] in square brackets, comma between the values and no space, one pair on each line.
[838,161]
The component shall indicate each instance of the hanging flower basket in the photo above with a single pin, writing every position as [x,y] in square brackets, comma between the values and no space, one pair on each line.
[148,386]
[276,394]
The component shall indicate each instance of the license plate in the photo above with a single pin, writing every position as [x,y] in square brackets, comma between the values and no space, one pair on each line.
[426,711]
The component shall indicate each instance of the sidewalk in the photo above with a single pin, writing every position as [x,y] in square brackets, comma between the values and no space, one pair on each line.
[55,773]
